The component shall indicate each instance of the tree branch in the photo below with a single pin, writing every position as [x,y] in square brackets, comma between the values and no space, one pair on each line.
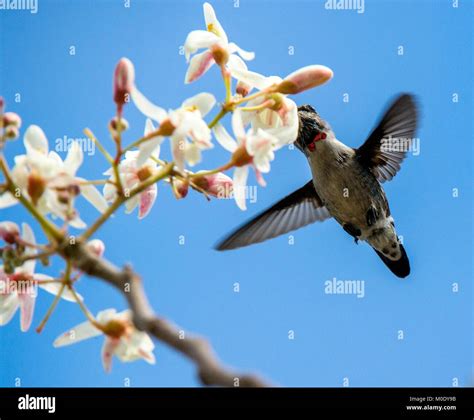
[209,368]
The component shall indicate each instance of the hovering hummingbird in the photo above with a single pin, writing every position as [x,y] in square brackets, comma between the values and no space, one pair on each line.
[346,185]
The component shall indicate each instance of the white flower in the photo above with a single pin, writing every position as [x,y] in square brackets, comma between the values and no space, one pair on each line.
[131,175]
[122,338]
[255,147]
[19,290]
[280,118]
[218,49]
[44,177]
[96,246]
[188,132]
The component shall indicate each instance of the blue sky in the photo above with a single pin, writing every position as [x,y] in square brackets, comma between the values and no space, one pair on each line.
[281,285]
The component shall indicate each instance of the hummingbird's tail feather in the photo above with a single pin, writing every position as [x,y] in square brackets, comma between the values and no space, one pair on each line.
[400,267]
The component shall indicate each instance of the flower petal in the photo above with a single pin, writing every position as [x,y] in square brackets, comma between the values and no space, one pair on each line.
[93,196]
[251,78]
[178,144]
[110,192]
[148,356]
[138,346]
[150,147]
[198,39]
[78,333]
[192,154]
[73,159]
[203,101]
[132,203]
[27,307]
[106,315]
[260,146]
[238,126]
[8,306]
[147,199]
[54,288]
[240,184]
[77,223]
[28,236]
[108,350]
[146,107]
[235,62]
[288,132]
[7,200]
[212,24]
[260,179]
[35,140]
[224,138]
[199,64]
[246,55]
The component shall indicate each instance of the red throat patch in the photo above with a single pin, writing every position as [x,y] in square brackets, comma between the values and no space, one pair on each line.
[318,137]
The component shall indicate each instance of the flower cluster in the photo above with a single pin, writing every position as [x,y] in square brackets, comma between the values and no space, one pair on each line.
[263,120]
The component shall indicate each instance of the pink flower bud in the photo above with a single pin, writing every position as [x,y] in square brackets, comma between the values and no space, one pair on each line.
[96,246]
[9,232]
[124,81]
[218,185]
[242,88]
[11,132]
[11,119]
[305,78]
[180,188]
[114,125]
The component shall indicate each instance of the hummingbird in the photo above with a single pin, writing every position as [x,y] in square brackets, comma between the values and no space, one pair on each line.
[346,184]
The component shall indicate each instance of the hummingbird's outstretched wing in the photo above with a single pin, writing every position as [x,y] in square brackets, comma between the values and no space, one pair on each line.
[298,209]
[386,147]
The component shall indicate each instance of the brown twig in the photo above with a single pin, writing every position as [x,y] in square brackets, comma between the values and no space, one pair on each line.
[210,370]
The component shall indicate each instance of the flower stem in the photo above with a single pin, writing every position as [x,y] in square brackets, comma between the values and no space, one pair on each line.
[38,256]
[227,83]
[263,105]
[103,218]
[162,130]
[165,171]
[222,168]
[250,97]
[96,182]
[118,155]
[51,309]
[84,309]
[218,117]
[96,141]
[65,281]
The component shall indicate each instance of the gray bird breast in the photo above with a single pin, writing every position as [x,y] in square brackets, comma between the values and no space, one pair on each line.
[352,194]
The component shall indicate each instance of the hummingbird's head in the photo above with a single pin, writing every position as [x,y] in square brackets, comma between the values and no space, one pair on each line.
[312,128]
